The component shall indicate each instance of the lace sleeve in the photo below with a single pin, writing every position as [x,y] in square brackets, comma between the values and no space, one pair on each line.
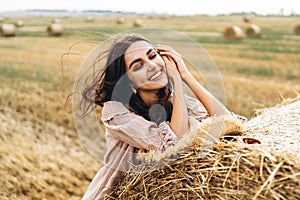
[168,136]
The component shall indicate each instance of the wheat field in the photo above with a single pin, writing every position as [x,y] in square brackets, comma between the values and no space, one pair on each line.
[41,155]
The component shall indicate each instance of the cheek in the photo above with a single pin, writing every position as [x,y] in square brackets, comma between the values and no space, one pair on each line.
[130,77]
[136,77]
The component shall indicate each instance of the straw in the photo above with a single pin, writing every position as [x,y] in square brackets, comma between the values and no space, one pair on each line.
[225,170]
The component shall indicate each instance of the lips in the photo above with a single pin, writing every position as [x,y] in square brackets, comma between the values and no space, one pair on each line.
[155,76]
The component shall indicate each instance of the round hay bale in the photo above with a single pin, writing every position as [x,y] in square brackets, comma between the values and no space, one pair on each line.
[19,23]
[89,19]
[228,169]
[55,20]
[55,29]
[121,20]
[248,18]
[253,30]
[233,33]
[297,29]
[7,30]
[138,23]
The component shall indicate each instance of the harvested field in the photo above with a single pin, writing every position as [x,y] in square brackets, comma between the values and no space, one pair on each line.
[36,166]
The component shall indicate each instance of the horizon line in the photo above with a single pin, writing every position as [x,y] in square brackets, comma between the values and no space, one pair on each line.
[106,11]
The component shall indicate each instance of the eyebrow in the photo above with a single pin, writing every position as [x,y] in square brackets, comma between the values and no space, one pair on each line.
[139,59]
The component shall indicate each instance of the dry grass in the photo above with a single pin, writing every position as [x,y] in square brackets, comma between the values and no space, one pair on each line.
[41,160]
[41,154]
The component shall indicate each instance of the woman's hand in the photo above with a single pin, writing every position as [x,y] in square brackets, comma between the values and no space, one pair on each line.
[211,103]
[172,55]
[172,71]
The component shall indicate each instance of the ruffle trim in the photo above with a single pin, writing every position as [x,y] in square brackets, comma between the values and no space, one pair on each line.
[112,109]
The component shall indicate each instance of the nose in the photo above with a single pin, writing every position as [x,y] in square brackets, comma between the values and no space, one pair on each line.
[151,66]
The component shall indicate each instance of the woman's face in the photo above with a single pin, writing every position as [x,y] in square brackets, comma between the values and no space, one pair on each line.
[145,67]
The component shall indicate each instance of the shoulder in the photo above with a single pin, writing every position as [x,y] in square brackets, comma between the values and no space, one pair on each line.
[113,108]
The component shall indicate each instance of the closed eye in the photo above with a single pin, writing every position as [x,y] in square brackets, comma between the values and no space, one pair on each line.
[138,67]
[152,56]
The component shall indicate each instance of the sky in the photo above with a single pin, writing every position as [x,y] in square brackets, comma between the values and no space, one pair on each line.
[174,7]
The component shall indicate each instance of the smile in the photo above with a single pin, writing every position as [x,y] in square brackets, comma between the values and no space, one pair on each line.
[155,76]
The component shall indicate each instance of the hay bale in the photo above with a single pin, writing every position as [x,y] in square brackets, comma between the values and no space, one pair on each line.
[89,19]
[253,30]
[297,29]
[227,170]
[55,29]
[1,20]
[121,20]
[278,127]
[7,30]
[248,18]
[19,23]
[233,33]
[137,23]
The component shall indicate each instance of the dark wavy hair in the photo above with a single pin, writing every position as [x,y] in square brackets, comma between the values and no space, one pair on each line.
[114,85]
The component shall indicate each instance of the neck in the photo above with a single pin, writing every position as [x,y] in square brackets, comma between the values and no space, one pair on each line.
[150,97]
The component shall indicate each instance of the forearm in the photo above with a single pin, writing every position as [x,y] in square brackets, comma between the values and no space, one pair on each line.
[210,102]
[179,119]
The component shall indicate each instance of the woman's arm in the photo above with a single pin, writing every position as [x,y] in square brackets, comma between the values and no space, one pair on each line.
[179,118]
[211,103]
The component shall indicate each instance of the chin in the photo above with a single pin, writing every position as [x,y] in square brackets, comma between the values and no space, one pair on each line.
[154,86]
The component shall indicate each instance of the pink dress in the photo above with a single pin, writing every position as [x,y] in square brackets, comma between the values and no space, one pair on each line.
[126,132]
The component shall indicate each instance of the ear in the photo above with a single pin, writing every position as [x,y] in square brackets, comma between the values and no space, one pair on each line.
[133,89]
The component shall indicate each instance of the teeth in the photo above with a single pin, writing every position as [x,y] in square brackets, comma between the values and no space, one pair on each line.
[155,75]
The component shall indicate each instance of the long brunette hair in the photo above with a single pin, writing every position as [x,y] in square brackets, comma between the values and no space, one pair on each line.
[114,85]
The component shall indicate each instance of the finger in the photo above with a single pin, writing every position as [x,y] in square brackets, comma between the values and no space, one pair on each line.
[166,59]
[174,59]
[169,62]
[171,54]
[166,49]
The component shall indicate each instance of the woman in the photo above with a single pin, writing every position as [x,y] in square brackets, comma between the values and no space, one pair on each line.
[143,105]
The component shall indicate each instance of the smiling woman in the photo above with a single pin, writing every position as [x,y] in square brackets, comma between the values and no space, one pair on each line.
[144,106]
